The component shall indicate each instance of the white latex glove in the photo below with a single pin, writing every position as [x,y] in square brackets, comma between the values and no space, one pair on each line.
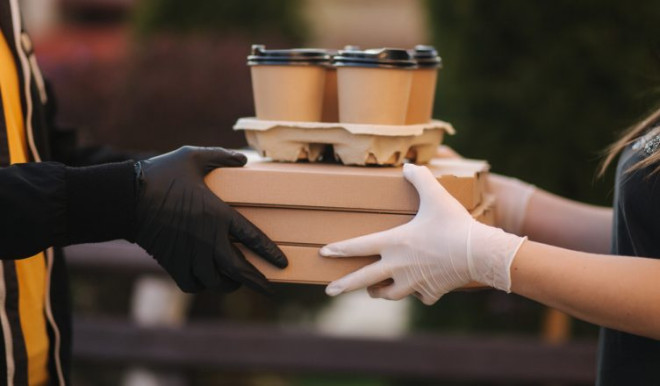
[511,195]
[441,249]
[511,199]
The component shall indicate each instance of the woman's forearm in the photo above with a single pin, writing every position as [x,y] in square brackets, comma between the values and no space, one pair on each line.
[554,220]
[619,292]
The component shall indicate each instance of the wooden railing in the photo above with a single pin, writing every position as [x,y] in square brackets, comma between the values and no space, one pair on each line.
[221,345]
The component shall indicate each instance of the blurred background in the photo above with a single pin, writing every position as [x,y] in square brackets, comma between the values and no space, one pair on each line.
[537,88]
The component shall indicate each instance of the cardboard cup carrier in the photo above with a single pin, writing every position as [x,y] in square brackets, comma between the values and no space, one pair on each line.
[351,143]
[422,89]
[288,85]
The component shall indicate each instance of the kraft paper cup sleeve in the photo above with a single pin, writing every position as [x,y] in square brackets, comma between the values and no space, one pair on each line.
[422,95]
[422,90]
[288,91]
[374,85]
[373,95]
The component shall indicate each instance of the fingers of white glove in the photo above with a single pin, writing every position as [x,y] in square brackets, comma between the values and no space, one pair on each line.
[367,245]
[423,180]
[390,292]
[427,299]
[363,277]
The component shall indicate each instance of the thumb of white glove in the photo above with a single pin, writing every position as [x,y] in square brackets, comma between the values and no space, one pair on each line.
[441,249]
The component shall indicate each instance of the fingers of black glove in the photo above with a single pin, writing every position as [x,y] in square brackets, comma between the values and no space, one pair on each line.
[189,286]
[213,280]
[210,158]
[168,253]
[252,237]
[253,278]
[208,274]
[233,264]
[204,270]
[228,285]
[184,280]
[180,273]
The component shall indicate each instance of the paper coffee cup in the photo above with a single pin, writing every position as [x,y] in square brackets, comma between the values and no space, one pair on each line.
[330,98]
[422,91]
[330,111]
[374,85]
[288,85]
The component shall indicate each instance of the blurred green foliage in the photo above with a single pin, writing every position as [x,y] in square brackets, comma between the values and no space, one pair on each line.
[253,17]
[540,88]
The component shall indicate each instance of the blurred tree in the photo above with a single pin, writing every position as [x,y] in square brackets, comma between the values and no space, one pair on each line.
[252,16]
[539,88]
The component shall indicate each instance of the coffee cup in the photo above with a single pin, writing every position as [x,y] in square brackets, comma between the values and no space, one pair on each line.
[288,85]
[374,85]
[331,98]
[330,111]
[422,90]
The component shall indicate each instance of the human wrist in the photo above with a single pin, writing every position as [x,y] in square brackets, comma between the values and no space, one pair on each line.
[490,253]
[100,202]
[513,196]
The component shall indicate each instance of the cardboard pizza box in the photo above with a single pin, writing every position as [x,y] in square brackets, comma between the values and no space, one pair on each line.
[305,264]
[320,227]
[346,188]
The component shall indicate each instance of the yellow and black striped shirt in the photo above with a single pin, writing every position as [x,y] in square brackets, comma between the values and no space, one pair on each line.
[22,282]
[44,205]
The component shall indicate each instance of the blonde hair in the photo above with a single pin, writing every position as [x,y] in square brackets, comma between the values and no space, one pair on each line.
[626,139]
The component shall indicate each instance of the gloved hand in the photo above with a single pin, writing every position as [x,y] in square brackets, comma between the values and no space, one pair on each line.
[511,196]
[511,199]
[441,249]
[187,228]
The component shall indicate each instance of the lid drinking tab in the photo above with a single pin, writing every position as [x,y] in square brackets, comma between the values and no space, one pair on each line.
[297,56]
[380,58]
[426,56]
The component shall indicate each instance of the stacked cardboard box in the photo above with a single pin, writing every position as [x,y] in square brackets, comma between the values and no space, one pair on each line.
[303,206]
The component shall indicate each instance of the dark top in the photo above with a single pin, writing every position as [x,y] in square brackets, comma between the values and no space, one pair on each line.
[626,359]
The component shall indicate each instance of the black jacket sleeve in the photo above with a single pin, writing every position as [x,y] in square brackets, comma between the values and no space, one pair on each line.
[49,204]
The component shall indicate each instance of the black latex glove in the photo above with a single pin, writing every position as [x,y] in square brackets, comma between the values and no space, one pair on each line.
[186,227]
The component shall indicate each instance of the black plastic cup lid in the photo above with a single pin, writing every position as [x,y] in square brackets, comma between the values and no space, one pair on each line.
[298,56]
[379,58]
[426,56]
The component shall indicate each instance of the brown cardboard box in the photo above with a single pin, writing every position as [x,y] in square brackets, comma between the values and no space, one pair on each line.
[303,206]
[320,227]
[339,187]
[304,228]
[307,267]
